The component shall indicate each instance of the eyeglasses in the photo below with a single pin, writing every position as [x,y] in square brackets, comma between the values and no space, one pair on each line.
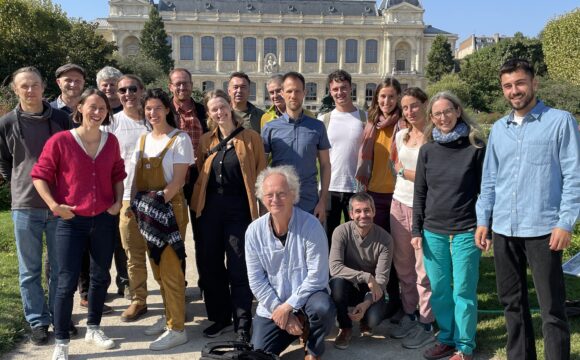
[132,89]
[446,113]
[280,195]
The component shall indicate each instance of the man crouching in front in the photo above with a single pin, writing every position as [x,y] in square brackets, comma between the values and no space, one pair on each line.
[287,261]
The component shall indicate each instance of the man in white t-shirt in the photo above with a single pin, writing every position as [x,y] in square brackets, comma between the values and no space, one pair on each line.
[127,126]
[344,126]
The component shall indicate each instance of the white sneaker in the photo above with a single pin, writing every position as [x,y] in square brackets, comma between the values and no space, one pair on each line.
[158,328]
[60,352]
[169,339]
[97,337]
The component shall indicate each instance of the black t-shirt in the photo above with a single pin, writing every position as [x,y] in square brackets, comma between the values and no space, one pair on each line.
[226,174]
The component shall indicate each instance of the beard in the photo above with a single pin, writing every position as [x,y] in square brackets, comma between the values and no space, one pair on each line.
[523,102]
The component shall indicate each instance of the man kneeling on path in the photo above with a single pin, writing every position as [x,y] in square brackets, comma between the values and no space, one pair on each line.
[287,261]
[360,260]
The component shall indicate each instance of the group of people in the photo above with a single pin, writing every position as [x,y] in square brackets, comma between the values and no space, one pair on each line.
[118,171]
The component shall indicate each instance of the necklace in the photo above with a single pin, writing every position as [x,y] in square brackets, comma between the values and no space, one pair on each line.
[415,138]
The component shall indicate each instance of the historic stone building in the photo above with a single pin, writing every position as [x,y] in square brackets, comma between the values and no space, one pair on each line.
[213,38]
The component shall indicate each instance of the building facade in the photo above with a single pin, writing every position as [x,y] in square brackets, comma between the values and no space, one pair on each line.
[213,38]
[474,43]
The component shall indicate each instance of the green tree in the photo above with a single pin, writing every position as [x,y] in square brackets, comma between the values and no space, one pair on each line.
[149,70]
[327,104]
[38,32]
[440,59]
[452,83]
[561,44]
[154,41]
[560,94]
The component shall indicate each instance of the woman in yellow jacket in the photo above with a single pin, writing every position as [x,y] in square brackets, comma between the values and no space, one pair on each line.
[229,158]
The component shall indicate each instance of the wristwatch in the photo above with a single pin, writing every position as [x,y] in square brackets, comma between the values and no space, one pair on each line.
[401,172]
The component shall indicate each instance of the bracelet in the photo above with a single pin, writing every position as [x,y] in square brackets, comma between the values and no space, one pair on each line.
[401,172]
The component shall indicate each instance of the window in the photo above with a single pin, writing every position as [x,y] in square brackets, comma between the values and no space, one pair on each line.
[311,51]
[266,94]
[353,93]
[169,41]
[249,49]
[225,86]
[330,55]
[186,47]
[290,50]
[351,53]
[252,91]
[371,51]
[311,91]
[207,86]
[270,46]
[207,48]
[228,49]
[400,65]
[369,92]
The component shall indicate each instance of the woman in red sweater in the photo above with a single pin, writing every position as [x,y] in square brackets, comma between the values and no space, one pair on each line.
[80,177]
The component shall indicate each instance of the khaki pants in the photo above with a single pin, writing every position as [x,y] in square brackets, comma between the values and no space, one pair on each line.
[136,249]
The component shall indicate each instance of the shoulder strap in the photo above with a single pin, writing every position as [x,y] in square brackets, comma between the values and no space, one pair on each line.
[326,119]
[141,145]
[169,144]
[223,142]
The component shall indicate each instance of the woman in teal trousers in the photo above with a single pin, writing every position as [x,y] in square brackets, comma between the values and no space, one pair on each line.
[447,182]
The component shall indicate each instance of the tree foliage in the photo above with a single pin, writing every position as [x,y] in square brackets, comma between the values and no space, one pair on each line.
[149,70]
[560,94]
[440,59]
[327,104]
[154,41]
[561,44]
[38,33]
[481,69]
[452,83]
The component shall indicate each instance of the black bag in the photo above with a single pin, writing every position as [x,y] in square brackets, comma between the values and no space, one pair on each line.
[229,350]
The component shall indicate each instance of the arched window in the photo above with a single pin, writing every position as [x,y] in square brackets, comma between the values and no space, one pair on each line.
[228,49]
[186,47]
[271,46]
[369,92]
[249,49]
[371,51]
[403,57]
[207,85]
[311,51]
[351,51]
[331,51]
[207,48]
[311,89]
[290,50]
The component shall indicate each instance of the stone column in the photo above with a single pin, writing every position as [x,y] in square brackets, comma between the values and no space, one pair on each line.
[196,52]
[218,54]
[301,52]
[321,50]
[361,54]
[341,52]
[239,53]
[260,52]
[388,55]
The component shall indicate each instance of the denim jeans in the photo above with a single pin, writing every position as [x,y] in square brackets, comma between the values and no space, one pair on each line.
[97,233]
[511,255]
[29,225]
[319,310]
[345,294]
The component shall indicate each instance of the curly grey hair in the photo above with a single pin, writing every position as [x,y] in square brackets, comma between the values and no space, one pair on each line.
[289,174]
[107,73]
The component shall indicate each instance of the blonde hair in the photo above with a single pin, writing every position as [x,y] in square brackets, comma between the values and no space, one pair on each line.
[475,137]
[219,94]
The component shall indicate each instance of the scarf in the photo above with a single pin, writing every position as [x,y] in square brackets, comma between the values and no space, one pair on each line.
[364,167]
[157,224]
[460,130]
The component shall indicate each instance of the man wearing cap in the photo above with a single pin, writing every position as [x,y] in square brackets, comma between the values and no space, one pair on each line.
[71,81]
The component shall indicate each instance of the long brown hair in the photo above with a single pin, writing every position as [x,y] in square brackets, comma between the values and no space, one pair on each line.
[420,95]
[375,110]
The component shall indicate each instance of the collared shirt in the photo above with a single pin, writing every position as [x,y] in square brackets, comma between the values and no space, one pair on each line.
[531,174]
[189,122]
[273,113]
[297,142]
[59,104]
[286,273]
[356,259]
[251,117]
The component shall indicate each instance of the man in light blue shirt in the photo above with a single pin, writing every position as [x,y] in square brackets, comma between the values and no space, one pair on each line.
[287,262]
[531,188]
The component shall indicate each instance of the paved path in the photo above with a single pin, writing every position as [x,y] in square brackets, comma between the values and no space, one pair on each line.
[131,342]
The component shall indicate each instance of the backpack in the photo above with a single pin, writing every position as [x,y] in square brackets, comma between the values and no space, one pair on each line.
[231,350]
[361,113]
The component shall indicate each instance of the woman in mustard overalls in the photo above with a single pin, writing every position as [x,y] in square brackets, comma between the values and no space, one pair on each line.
[161,160]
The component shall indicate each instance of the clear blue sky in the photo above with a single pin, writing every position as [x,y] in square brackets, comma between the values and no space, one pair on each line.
[462,17]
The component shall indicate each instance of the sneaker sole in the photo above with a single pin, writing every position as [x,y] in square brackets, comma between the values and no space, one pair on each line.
[100,346]
[341,347]
[417,346]
[401,336]
[155,348]
[225,329]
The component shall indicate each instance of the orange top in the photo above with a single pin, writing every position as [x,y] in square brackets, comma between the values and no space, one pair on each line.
[382,177]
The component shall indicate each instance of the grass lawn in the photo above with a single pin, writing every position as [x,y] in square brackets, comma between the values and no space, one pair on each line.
[12,323]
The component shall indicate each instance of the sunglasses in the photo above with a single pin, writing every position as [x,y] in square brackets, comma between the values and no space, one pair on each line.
[132,89]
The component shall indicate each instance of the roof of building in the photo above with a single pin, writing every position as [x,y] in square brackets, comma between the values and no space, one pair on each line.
[305,7]
[433,30]
[385,4]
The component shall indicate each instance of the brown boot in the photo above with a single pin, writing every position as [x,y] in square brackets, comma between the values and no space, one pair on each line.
[133,312]
[342,340]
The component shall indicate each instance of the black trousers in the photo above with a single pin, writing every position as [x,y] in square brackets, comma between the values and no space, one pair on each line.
[120,258]
[338,207]
[221,229]
[511,255]
[345,294]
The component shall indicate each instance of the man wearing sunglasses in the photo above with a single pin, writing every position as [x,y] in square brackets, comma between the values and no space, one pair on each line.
[71,82]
